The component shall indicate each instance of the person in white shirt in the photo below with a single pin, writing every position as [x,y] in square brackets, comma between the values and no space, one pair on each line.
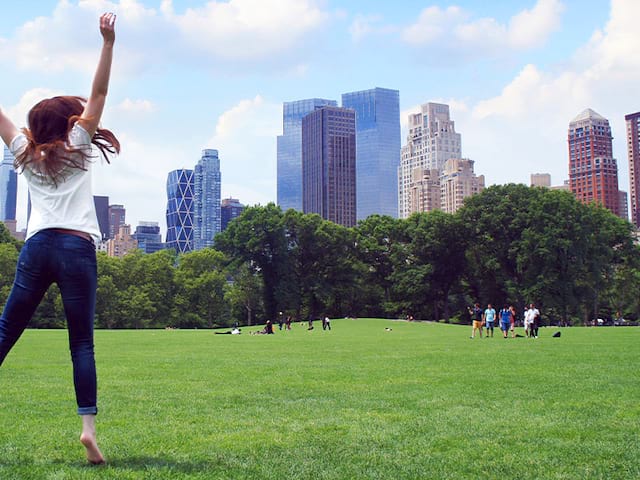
[55,156]
[530,321]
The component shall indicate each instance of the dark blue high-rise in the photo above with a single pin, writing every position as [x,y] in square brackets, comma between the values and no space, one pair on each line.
[378,150]
[180,210]
[8,187]
[290,151]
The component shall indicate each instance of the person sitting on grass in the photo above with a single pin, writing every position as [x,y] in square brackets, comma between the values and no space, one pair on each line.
[55,156]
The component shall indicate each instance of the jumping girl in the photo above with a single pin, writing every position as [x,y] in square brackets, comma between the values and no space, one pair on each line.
[55,156]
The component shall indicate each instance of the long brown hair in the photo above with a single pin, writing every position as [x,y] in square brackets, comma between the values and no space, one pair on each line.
[48,151]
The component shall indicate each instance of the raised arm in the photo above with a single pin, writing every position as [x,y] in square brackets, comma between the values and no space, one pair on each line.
[95,103]
[8,130]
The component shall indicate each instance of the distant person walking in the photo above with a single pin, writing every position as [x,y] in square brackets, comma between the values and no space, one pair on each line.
[476,319]
[513,321]
[489,318]
[506,320]
[531,317]
[55,156]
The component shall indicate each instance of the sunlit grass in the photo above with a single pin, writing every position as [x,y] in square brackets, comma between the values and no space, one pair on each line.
[420,401]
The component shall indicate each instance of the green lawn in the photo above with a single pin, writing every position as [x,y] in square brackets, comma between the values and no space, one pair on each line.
[422,401]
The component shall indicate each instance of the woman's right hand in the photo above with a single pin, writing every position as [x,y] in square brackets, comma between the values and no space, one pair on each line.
[107,27]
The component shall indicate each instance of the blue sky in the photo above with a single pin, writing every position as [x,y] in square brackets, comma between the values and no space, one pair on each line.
[197,74]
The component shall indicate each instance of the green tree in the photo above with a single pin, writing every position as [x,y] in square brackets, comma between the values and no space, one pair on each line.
[494,222]
[258,239]
[377,239]
[6,237]
[430,265]
[200,281]
[244,295]
[8,262]
[111,287]
[155,272]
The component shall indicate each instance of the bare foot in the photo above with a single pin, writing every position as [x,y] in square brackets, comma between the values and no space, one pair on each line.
[94,455]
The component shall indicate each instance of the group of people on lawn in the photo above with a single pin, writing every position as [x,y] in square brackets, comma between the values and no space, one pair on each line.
[485,319]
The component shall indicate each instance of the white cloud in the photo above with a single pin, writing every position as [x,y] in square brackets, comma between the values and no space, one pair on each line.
[246,29]
[454,31]
[235,31]
[18,113]
[530,28]
[129,106]
[245,137]
[365,25]
[527,122]
[137,178]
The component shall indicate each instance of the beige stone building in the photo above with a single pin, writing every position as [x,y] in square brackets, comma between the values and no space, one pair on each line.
[540,180]
[424,190]
[431,141]
[122,243]
[457,182]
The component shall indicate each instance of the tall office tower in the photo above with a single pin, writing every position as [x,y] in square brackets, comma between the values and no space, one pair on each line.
[117,214]
[329,164]
[377,150]
[102,212]
[432,140]
[206,199]
[633,150]
[457,182]
[289,183]
[180,210]
[148,236]
[8,187]
[593,172]
[424,190]
[231,208]
[541,180]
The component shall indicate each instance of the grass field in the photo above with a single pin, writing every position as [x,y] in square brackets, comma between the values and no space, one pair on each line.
[422,401]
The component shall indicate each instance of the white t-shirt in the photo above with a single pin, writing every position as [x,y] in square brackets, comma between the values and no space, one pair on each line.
[531,314]
[66,205]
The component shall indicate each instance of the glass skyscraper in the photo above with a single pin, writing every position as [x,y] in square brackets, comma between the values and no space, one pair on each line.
[8,187]
[290,151]
[329,164]
[102,212]
[180,210]
[148,237]
[206,199]
[378,150]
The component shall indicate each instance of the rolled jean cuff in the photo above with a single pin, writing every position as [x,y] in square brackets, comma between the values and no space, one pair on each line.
[87,410]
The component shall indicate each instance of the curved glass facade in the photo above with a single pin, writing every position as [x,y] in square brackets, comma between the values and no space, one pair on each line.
[180,210]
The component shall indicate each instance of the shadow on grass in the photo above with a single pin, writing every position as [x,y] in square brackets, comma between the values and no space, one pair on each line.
[147,463]
[159,464]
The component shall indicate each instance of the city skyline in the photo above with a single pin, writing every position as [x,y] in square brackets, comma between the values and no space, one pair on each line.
[514,74]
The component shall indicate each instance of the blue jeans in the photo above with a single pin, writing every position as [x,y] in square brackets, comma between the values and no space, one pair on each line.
[70,261]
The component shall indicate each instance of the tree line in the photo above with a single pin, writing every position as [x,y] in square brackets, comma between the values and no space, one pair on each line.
[510,244]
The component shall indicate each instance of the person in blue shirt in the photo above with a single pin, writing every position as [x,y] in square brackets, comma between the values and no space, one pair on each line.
[506,319]
[489,319]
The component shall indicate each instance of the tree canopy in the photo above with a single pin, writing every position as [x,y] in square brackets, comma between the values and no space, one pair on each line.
[510,244]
